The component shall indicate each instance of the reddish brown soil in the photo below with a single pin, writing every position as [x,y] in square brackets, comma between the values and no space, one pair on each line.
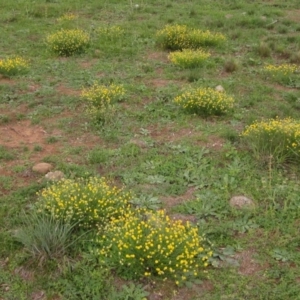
[4,80]
[170,201]
[248,265]
[62,89]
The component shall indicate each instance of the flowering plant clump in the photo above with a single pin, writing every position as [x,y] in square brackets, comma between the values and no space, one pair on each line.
[283,70]
[67,17]
[178,37]
[283,74]
[67,42]
[13,66]
[188,58]
[151,244]
[88,202]
[100,99]
[110,32]
[205,101]
[277,137]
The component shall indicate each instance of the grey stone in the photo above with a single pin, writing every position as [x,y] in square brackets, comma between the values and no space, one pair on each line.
[42,168]
[219,88]
[241,202]
[55,176]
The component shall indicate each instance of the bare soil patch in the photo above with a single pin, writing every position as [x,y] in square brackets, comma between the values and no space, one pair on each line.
[20,134]
[62,89]
[293,15]
[5,80]
[158,82]
[88,64]
[248,265]
[158,56]
[170,201]
[171,134]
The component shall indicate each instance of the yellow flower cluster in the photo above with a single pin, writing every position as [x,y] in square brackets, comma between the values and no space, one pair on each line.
[205,101]
[67,17]
[148,243]
[88,202]
[68,42]
[13,66]
[177,37]
[111,32]
[100,98]
[188,58]
[282,70]
[280,136]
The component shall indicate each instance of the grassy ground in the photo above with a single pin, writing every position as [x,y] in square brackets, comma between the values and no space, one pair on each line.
[189,164]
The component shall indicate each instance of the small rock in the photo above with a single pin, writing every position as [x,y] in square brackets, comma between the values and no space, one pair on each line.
[42,168]
[241,202]
[219,88]
[55,176]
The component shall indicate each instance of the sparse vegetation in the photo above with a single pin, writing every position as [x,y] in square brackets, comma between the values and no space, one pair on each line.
[159,114]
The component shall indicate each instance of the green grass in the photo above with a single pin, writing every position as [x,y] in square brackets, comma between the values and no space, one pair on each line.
[190,165]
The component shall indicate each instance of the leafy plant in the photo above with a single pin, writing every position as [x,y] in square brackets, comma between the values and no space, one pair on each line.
[147,202]
[129,292]
[244,224]
[202,207]
[281,255]
[5,154]
[83,281]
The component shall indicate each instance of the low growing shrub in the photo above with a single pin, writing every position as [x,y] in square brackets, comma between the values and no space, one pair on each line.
[205,101]
[67,42]
[13,66]
[178,37]
[151,244]
[100,100]
[88,202]
[278,138]
[188,58]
